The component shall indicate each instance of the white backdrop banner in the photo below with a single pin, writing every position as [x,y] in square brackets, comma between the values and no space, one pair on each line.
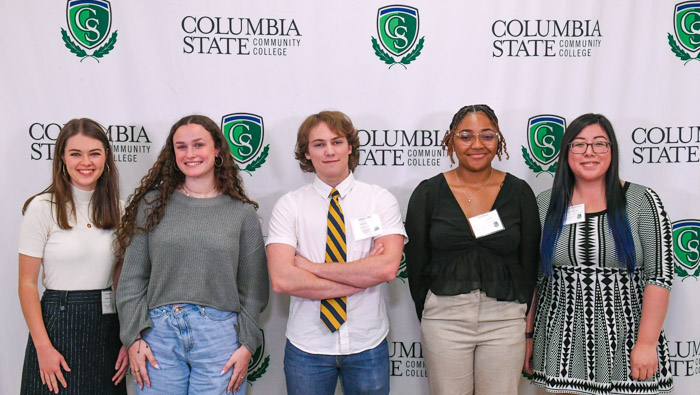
[259,68]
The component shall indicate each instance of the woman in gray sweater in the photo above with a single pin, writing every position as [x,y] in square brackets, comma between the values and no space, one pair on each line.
[194,280]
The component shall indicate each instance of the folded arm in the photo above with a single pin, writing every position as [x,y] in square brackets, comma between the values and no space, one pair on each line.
[365,272]
[287,278]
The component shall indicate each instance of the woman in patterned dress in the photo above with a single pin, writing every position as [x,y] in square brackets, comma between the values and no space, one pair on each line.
[607,272]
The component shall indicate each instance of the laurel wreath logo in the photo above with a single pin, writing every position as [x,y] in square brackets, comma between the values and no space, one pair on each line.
[255,374]
[80,52]
[390,60]
[255,164]
[402,274]
[680,53]
[534,166]
[685,274]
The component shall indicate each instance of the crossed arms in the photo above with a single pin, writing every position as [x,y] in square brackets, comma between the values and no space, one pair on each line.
[295,275]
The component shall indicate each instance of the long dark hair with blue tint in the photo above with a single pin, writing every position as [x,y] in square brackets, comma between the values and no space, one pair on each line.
[563,188]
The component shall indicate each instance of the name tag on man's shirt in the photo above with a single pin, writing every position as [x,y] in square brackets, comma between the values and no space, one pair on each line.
[366,227]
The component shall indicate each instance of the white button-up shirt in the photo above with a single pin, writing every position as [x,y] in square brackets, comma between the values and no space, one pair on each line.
[299,219]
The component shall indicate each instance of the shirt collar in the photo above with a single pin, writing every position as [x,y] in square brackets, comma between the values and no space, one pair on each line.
[343,188]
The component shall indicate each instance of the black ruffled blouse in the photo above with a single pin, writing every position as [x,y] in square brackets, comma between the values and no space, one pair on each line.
[443,256]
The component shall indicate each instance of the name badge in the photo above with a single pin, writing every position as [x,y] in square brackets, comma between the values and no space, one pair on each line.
[575,214]
[366,227]
[486,224]
[108,304]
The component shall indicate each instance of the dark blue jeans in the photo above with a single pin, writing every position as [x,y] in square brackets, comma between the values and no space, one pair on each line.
[366,372]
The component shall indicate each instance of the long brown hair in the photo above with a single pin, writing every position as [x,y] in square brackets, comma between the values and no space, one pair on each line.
[165,177]
[105,200]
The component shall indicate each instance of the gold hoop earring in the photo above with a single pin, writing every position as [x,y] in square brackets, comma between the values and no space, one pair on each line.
[220,163]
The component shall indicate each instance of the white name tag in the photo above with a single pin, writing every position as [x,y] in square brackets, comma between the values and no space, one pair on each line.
[366,227]
[108,305]
[575,214]
[486,224]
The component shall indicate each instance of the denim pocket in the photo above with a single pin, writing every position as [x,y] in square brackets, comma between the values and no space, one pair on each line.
[156,313]
[215,314]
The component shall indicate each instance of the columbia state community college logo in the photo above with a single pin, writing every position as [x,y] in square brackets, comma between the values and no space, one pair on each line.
[245,134]
[686,247]
[544,134]
[686,25]
[397,29]
[89,23]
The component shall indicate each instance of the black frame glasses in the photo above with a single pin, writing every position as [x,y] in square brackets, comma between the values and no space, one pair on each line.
[598,147]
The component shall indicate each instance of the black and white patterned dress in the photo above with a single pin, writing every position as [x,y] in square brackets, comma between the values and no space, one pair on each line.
[589,310]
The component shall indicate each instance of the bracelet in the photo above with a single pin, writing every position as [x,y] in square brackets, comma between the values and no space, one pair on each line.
[528,335]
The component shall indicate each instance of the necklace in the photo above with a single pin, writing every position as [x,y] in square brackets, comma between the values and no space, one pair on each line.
[469,199]
[189,193]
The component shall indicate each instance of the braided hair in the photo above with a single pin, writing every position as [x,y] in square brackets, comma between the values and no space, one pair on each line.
[448,142]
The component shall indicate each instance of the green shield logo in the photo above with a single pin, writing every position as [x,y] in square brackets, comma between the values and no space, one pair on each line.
[397,27]
[89,21]
[244,133]
[544,137]
[686,22]
[686,247]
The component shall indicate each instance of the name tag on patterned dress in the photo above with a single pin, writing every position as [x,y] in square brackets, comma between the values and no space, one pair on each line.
[108,305]
[575,214]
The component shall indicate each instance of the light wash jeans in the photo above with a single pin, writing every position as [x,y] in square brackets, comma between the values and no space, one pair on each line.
[366,372]
[192,344]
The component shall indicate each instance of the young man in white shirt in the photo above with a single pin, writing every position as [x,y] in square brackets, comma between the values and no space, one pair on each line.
[332,244]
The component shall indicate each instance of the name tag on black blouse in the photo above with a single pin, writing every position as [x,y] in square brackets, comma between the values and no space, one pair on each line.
[108,305]
[486,224]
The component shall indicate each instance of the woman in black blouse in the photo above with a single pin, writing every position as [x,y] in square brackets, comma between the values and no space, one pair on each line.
[472,261]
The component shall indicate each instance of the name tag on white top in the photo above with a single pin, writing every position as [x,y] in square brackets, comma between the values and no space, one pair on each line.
[575,214]
[486,224]
[108,304]
[366,227]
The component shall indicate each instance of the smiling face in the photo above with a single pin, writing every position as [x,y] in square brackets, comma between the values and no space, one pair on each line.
[195,151]
[329,153]
[590,166]
[478,154]
[84,158]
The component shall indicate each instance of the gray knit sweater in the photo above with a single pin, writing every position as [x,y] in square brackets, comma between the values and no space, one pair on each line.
[208,252]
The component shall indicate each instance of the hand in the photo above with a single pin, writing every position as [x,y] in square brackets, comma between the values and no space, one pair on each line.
[50,364]
[527,364]
[643,361]
[139,351]
[121,366]
[378,249]
[239,360]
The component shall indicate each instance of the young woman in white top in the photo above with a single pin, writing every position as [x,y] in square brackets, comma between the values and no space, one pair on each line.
[68,230]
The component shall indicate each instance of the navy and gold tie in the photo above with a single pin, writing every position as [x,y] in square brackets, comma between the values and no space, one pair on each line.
[334,311]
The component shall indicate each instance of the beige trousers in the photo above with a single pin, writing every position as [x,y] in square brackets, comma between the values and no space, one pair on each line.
[473,344]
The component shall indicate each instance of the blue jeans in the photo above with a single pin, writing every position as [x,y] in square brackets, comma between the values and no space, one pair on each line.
[366,372]
[192,344]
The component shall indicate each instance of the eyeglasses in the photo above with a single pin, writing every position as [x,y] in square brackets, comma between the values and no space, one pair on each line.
[599,147]
[468,138]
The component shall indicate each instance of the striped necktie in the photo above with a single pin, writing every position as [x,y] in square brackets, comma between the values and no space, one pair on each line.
[333,311]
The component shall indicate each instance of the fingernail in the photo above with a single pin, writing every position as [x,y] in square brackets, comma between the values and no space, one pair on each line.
[157,366]
[221,372]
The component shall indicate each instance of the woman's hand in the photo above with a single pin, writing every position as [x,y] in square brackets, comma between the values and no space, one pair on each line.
[121,366]
[239,360]
[139,352]
[527,364]
[643,361]
[50,364]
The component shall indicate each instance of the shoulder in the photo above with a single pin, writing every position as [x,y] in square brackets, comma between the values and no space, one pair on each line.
[431,184]
[40,204]
[517,184]
[544,197]
[639,196]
